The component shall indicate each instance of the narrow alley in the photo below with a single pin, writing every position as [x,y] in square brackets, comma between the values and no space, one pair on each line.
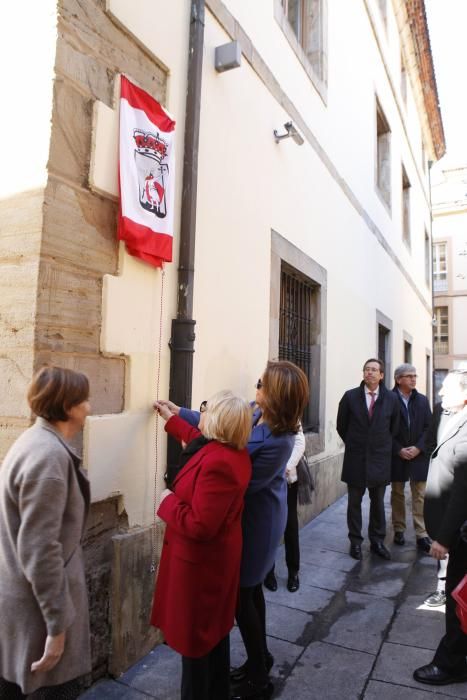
[353,630]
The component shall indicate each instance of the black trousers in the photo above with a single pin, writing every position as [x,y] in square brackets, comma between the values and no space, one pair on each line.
[452,649]
[251,621]
[377,524]
[207,678]
[65,691]
[291,539]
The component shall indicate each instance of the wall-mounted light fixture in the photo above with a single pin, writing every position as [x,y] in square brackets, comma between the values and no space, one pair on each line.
[290,131]
[228,56]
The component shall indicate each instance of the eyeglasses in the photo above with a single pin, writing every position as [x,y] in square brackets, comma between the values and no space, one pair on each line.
[259,384]
[203,407]
[408,376]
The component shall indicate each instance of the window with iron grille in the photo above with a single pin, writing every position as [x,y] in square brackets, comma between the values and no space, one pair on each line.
[298,332]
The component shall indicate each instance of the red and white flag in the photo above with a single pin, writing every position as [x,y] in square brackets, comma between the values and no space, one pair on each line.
[147,178]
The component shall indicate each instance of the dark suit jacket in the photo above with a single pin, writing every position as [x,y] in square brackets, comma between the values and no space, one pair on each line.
[413,434]
[446,488]
[368,443]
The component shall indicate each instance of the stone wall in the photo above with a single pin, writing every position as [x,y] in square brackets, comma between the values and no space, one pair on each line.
[328,486]
[105,521]
[56,245]
[21,220]
[79,247]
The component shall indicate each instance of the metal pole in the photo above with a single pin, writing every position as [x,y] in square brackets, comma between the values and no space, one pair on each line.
[183,327]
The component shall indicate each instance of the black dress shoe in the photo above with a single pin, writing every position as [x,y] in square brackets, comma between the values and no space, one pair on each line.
[239,674]
[379,549]
[252,691]
[293,583]
[424,544]
[270,582]
[399,538]
[433,675]
[356,551]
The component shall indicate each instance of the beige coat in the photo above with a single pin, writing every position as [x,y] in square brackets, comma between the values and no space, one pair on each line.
[44,498]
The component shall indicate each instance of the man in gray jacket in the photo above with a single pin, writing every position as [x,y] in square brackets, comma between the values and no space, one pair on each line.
[445,513]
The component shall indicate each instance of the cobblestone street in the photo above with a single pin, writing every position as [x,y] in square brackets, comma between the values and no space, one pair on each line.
[353,630]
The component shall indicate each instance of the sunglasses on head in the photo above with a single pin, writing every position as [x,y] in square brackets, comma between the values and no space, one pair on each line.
[259,384]
[203,406]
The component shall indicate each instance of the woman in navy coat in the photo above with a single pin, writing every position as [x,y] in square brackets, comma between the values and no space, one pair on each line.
[281,396]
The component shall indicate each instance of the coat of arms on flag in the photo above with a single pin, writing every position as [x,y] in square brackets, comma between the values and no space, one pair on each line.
[147,181]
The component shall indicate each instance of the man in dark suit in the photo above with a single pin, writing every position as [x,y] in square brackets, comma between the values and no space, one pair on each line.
[367,420]
[445,514]
[410,459]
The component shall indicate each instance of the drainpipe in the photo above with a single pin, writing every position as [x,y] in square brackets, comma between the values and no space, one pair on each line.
[183,327]
[433,383]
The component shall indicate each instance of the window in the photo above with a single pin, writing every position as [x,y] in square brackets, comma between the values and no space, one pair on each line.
[407,352]
[297,326]
[299,329]
[384,343]
[427,260]
[440,376]
[306,20]
[383,9]
[424,161]
[405,208]
[383,155]
[441,330]
[403,81]
[440,268]
[428,376]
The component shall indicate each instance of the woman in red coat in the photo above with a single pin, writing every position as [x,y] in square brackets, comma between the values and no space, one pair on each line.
[197,586]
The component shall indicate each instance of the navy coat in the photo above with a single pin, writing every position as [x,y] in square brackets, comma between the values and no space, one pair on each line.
[368,443]
[420,420]
[265,512]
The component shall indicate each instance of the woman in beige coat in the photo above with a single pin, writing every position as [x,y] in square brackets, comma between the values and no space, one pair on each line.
[44,498]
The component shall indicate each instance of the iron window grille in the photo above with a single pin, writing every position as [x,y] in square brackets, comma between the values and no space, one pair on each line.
[297,321]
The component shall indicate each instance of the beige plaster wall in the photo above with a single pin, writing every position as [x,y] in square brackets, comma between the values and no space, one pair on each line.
[120,450]
[321,197]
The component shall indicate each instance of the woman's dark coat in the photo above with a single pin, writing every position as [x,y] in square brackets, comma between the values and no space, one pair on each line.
[368,443]
[414,435]
[265,513]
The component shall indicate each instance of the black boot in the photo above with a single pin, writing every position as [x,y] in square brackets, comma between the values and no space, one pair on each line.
[238,675]
[251,691]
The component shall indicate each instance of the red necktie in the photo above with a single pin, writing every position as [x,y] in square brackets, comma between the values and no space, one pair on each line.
[371,407]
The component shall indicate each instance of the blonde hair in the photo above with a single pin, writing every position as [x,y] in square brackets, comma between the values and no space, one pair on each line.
[228,419]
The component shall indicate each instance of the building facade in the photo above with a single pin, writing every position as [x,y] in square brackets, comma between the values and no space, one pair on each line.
[449,200]
[314,248]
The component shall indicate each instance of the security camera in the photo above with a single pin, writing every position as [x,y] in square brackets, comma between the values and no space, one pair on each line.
[290,131]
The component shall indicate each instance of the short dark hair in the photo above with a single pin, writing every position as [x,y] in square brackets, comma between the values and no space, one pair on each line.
[375,359]
[285,395]
[54,390]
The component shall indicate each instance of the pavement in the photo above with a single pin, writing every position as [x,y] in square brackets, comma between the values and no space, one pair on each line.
[354,630]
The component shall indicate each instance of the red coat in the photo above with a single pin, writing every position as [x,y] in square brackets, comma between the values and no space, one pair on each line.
[197,585]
